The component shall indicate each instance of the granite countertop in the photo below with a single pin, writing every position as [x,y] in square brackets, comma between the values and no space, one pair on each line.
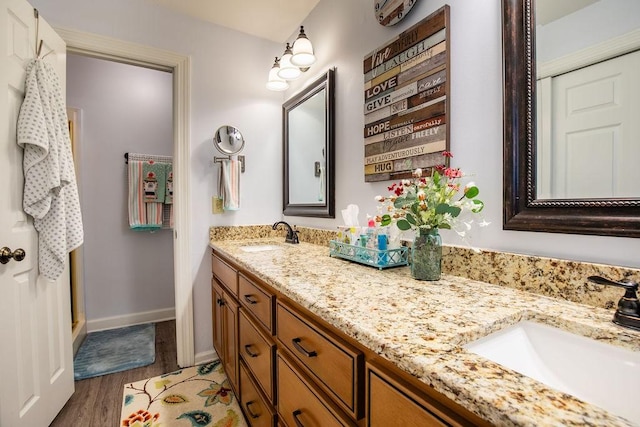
[421,327]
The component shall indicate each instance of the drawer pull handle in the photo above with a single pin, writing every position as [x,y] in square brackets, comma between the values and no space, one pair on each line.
[250,299]
[301,349]
[249,411]
[249,352]
[295,418]
[220,302]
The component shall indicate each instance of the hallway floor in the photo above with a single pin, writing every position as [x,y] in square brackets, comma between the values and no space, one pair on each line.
[97,401]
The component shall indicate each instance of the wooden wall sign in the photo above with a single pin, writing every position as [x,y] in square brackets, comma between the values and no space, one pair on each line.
[406,110]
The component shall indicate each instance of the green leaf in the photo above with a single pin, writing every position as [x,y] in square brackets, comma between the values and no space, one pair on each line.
[174,399]
[386,220]
[197,418]
[479,206]
[403,224]
[471,192]
[444,208]
[411,219]
[445,226]
[414,209]
[399,203]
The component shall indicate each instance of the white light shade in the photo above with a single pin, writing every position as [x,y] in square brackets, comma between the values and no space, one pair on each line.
[288,71]
[302,51]
[276,83]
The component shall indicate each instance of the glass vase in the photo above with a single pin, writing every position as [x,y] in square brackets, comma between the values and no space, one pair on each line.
[426,255]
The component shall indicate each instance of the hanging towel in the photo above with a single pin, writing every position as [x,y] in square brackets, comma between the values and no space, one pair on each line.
[168,195]
[50,189]
[142,216]
[230,184]
[154,177]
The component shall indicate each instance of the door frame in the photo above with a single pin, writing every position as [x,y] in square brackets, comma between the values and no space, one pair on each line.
[113,49]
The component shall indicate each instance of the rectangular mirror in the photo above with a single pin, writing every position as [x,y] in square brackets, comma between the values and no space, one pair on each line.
[308,131]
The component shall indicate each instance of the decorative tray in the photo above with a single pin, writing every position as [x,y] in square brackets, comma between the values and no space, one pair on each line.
[371,257]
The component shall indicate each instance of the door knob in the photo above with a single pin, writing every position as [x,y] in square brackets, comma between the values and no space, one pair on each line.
[6,255]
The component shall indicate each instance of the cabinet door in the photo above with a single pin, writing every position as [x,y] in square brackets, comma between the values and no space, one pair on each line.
[216,314]
[230,339]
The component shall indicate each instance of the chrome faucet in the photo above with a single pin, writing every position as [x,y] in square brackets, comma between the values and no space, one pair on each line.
[292,234]
[628,312]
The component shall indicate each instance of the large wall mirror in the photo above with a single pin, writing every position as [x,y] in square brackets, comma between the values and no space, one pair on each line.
[572,116]
[308,131]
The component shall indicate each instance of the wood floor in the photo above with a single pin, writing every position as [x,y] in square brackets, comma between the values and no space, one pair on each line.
[97,402]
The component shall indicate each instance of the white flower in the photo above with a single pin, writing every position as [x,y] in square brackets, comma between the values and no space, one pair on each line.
[469,185]
[379,198]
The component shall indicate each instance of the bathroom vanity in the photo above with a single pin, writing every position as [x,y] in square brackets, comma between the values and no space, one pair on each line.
[310,340]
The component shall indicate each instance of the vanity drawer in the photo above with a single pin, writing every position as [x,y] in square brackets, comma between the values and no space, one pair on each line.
[388,404]
[257,300]
[257,411]
[333,363]
[226,274]
[258,353]
[299,403]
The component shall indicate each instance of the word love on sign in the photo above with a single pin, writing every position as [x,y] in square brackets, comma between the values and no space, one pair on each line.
[406,113]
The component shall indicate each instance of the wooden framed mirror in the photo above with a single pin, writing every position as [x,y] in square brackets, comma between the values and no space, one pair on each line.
[523,209]
[308,132]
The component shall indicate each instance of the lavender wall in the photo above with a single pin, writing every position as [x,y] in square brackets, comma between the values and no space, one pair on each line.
[124,108]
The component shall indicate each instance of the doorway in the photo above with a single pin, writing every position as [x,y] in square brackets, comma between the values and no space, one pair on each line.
[128,276]
[105,47]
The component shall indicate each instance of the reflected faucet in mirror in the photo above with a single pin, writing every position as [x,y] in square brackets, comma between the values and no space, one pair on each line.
[292,234]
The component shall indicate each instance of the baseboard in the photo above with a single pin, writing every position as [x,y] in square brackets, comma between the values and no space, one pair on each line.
[131,319]
[206,357]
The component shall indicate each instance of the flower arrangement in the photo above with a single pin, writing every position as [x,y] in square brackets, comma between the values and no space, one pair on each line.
[435,202]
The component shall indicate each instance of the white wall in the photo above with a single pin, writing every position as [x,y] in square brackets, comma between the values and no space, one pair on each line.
[229,72]
[343,38]
[123,109]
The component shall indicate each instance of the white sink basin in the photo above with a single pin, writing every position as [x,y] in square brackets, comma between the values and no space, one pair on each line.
[597,373]
[260,248]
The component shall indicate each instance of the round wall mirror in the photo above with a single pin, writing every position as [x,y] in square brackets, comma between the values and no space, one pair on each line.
[228,140]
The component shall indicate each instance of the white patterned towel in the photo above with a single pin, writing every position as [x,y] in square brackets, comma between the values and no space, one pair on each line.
[50,191]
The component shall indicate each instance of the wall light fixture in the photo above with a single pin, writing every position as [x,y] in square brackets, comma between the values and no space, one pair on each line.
[295,60]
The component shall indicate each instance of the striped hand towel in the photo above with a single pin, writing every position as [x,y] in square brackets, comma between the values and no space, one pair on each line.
[230,184]
[142,216]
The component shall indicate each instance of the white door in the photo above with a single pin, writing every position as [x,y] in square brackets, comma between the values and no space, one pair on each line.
[36,362]
[593,141]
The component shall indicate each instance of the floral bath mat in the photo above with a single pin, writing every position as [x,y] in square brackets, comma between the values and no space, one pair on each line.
[191,397]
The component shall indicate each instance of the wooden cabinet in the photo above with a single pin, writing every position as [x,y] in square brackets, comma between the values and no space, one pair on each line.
[258,352]
[230,338]
[334,364]
[300,403]
[255,407]
[258,300]
[311,374]
[216,314]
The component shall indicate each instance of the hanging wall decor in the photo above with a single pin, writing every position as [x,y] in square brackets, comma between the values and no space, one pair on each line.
[406,107]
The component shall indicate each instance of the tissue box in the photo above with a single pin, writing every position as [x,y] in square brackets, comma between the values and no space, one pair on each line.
[372,257]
